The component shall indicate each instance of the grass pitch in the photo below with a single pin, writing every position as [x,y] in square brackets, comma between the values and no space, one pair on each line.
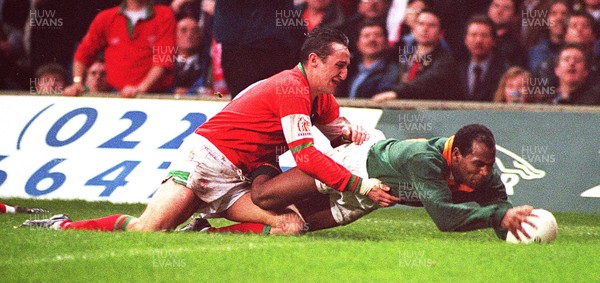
[389,245]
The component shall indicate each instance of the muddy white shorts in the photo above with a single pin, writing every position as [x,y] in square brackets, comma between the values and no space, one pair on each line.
[347,207]
[201,167]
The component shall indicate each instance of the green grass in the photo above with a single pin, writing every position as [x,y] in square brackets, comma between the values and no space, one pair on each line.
[390,245]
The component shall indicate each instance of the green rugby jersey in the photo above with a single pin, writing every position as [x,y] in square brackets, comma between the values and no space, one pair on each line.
[417,171]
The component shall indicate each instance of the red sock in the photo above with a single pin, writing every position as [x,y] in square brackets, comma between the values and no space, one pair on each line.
[2,208]
[117,222]
[246,228]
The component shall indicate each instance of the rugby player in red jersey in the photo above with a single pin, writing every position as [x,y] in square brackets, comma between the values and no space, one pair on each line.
[211,175]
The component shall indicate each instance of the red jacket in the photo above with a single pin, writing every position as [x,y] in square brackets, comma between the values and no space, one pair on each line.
[130,52]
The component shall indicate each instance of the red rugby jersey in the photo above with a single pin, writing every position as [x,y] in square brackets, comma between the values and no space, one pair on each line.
[272,115]
[131,51]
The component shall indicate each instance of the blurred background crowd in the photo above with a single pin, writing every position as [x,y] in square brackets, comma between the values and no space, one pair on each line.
[503,51]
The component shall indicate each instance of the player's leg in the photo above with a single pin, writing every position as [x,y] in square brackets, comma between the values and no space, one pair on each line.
[257,220]
[19,209]
[293,185]
[284,190]
[171,204]
[316,212]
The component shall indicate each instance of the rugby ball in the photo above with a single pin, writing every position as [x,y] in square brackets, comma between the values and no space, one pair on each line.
[545,231]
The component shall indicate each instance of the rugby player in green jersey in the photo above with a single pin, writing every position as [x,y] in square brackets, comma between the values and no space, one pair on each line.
[441,174]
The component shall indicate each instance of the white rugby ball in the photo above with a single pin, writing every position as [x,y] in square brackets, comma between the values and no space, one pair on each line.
[545,231]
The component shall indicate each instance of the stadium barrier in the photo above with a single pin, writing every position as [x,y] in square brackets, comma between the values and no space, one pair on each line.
[109,148]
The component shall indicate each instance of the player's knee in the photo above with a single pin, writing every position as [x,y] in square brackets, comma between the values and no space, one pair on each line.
[261,200]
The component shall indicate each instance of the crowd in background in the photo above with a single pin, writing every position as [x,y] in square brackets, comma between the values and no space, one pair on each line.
[505,51]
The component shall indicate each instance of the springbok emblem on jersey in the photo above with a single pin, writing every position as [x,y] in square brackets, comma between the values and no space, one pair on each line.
[522,170]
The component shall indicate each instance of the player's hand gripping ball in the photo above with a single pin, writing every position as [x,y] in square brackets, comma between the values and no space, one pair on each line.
[545,232]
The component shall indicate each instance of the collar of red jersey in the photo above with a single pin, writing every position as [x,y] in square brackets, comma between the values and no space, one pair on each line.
[302,70]
[149,10]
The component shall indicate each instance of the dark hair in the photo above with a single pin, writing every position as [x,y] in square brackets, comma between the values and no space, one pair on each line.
[373,23]
[319,42]
[581,49]
[585,15]
[564,2]
[426,2]
[436,14]
[52,68]
[483,20]
[464,138]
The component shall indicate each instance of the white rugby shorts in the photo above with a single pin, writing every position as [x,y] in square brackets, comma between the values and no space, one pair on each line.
[201,167]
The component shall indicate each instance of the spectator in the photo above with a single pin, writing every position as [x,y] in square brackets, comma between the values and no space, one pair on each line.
[54,28]
[455,14]
[413,8]
[12,55]
[407,40]
[318,13]
[513,87]
[503,14]
[480,74]
[374,73]
[256,31]
[50,79]
[367,10]
[575,85]
[138,40]
[186,9]
[549,46]
[592,7]
[579,31]
[533,15]
[216,76]
[427,71]
[191,67]
[95,78]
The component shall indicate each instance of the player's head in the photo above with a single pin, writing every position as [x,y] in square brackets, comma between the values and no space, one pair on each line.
[473,155]
[326,57]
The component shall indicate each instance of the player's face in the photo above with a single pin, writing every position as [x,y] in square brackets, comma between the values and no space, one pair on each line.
[332,70]
[473,169]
